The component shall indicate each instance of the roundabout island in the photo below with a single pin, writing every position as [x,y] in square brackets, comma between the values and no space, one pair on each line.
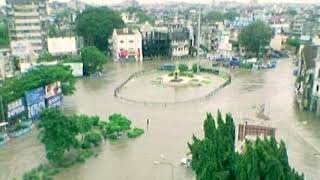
[175,84]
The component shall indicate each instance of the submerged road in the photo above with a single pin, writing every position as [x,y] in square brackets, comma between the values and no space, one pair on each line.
[171,127]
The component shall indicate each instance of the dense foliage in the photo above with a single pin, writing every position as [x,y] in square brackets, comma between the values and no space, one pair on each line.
[214,16]
[135,132]
[93,60]
[116,126]
[96,25]
[183,68]
[143,17]
[15,87]
[255,37]
[214,156]
[4,35]
[218,16]
[58,134]
[45,57]
[265,159]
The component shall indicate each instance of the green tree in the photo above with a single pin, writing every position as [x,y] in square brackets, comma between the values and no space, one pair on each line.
[231,15]
[293,43]
[214,156]
[117,125]
[57,133]
[45,57]
[214,16]
[143,17]
[255,37]
[15,87]
[92,138]
[93,60]
[291,12]
[4,36]
[265,159]
[183,68]
[96,25]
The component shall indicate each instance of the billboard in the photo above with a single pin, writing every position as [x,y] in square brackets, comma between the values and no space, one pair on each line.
[15,108]
[21,48]
[36,102]
[35,109]
[54,101]
[53,89]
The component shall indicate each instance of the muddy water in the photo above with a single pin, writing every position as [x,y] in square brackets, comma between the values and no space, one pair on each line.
[171,127]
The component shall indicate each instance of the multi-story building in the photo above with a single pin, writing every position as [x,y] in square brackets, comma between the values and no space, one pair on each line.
[155,41]
[6,63]
[305,76]
[180,42]
[127,45]
[315,97]
[28,22]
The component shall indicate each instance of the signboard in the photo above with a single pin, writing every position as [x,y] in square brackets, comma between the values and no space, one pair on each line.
[35,102]
[53,89]
[35,96]
[15,108]
[21,48]
[35,109]
[54,101]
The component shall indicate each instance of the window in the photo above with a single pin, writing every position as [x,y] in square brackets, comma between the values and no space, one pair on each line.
[318,73]
[317,88]
[131,41]
[121,41]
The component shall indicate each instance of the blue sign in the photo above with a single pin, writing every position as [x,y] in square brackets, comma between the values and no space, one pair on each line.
[35,96]
[15,108]
[54,101]
[34,110]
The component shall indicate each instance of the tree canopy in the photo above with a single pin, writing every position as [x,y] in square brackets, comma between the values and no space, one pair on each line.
[57,133]
[255,37]
[143,17]
[214,16]
[15,87]
[214,156]
[93,60]
[4,35]
[96,25]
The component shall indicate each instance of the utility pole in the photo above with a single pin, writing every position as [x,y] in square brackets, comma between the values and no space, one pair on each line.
[198,44]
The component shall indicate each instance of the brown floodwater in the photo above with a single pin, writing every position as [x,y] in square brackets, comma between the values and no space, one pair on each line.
[171,127]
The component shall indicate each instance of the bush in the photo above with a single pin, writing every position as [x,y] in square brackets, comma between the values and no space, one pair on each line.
[194,68]
[183,68]
[135,133]
[92,138]
[31,175]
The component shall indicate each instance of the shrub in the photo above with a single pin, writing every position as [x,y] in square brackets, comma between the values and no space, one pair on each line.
[92,138]
[183,68]
[194,68]
[135,133]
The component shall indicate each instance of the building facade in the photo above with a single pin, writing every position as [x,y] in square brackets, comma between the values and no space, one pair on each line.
[28,22]
[155,42]
[6,64]
[180,40]
[127,45]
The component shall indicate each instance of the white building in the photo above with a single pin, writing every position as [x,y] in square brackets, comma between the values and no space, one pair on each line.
[127,45]
[62,45]
[315,99]
[6,64]
[129,17]
[28,22]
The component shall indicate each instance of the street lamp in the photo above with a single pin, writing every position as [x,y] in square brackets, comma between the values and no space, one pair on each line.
[165,162]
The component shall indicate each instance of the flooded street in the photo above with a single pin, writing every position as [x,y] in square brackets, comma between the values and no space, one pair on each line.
[171,127]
